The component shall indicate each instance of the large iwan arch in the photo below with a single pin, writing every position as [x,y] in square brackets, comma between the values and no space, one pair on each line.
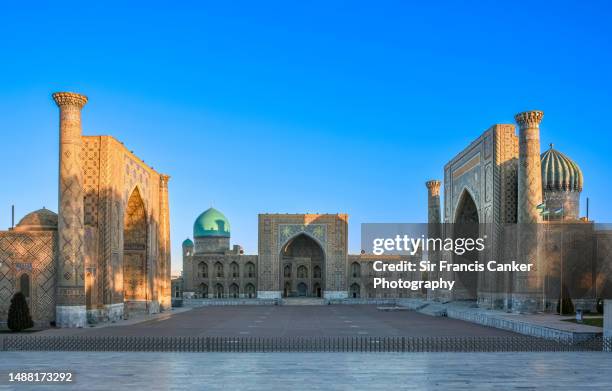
[299,257]
[466,226]
[135,290]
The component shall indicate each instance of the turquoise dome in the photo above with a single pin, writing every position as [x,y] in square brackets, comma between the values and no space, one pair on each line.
[211,223]
[559,172]
[187,243]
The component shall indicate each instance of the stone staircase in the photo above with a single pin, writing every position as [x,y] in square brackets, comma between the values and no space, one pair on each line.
[303,301]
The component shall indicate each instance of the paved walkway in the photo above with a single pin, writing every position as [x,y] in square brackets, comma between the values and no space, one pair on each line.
[318,371]
[275,321]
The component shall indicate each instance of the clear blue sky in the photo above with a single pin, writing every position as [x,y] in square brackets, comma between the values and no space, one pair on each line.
[303,107]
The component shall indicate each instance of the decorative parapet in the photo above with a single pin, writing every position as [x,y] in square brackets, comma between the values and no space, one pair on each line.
[69,99]
[529,119]
[433,186]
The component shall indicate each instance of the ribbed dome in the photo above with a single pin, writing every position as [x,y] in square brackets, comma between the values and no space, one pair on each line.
[211,223]
[39,220]
[187,243]
[559,172]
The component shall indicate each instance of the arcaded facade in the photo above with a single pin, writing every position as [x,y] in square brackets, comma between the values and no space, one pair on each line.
[106,253]
[300,255]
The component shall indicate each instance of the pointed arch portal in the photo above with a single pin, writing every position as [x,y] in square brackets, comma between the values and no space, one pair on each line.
[467,226]
[135,249]
[300,256]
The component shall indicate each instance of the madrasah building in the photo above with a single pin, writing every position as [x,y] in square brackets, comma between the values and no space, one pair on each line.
[106,254]
[300,255]
[527,204]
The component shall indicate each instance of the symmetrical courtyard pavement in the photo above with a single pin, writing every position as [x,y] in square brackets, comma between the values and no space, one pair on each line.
[287,321]
[317,371]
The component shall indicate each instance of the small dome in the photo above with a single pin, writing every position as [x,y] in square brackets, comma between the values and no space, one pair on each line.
[39,220]
[187,243]
[211,223]
[559,172]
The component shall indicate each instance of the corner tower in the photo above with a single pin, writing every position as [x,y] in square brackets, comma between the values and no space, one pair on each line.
[71,307]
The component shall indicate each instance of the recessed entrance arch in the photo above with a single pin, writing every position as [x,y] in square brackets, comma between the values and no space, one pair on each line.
[24,285]
[250,290]
[302,289]
[204,290]
[219,291]
[302,266]
[466,227]
[135,249]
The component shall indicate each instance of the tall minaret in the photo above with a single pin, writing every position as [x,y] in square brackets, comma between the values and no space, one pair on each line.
[71,307]
[433,227]
[530,171]
[164,243]
[527,286]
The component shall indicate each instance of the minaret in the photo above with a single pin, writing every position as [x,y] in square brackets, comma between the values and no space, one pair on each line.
[164,243]
[527,286]
[71,307]
[433,201]
[530,171]
[433,227]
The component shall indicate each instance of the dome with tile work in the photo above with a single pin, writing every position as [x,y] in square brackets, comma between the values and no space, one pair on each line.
[559,172]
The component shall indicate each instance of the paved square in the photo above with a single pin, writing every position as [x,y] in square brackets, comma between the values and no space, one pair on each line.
[316,371]
[275,321]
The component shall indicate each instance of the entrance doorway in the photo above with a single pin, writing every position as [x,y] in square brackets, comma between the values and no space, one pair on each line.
[302,289]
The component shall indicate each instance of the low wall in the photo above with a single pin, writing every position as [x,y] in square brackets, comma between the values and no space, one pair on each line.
[350,301]
[363,301]
[226,302]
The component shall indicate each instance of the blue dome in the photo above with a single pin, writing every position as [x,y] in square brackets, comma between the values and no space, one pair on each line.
[187,243]
[211,223]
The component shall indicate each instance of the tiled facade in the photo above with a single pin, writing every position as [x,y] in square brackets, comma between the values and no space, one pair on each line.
[109,252]
[497,183]
[300,255]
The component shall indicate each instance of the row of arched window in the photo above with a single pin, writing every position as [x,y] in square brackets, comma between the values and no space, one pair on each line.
[218,291]
[302,271]
[218,270]
[249,270]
